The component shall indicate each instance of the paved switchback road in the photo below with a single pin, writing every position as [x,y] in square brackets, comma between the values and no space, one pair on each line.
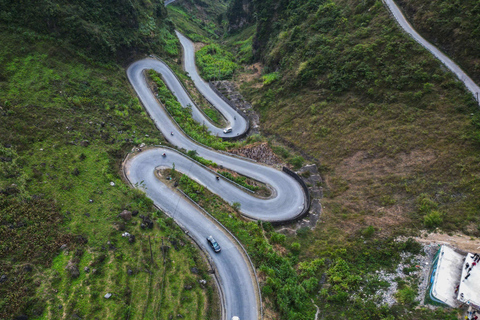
[236,274]
[461,75]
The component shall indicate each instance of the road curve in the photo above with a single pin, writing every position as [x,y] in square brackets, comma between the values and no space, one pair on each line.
[288,200]
[461,75]
[238,123]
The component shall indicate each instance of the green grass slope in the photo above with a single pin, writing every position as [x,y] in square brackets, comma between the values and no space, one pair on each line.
[66,124]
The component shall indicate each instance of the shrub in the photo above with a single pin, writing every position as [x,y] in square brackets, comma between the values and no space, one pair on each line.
[433,219]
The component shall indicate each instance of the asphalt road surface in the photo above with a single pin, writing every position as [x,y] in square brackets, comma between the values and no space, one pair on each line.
[288,200]
[461,75]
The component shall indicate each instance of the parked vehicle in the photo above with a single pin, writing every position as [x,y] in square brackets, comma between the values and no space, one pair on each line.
[215,246]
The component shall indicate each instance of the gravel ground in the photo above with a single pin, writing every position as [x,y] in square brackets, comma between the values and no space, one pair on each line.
[422,263]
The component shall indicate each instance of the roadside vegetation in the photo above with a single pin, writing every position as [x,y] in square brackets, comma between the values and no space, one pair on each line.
[183,116]
[66,124]
[291,269]
[453,26]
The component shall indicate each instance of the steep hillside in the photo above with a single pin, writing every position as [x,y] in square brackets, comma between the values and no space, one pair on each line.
[453,26]
[107,29]
[395,135]
[200,20]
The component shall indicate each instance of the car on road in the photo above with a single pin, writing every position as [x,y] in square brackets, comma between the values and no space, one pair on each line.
[215,246]
[228,130]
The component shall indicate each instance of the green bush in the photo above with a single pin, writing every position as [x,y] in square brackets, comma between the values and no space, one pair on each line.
[433,219]
[215,63]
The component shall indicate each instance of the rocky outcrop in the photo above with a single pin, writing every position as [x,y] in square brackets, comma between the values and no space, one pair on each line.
[72,269]
[240,14]
[125,215]
[230,91]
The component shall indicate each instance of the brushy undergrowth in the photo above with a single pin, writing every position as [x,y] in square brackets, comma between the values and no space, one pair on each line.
[215,63]
[334,273]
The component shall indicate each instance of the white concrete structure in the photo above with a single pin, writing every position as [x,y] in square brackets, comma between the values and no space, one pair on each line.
[469,290]
[447,275]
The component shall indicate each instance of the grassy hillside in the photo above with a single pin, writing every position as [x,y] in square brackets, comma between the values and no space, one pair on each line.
[366,99]
[395,136]
[453,26]
[66,124]
[105,29]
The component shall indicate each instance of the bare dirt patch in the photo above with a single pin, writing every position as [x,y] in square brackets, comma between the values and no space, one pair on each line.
[362,163]
[253,72]
[198,45]
[460,241]
[361,183]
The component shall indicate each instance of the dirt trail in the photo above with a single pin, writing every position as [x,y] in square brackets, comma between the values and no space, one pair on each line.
[460,241]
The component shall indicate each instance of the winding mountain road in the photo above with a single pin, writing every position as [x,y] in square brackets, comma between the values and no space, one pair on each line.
[235,272]
[405,25]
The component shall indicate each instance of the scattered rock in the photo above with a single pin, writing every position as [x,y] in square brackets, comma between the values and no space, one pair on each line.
[194,270]
[63,247]
[147,223]
[22,317]
[125,215]
[131,239]
[75,172]
[81,239]
[91,201]
[112,184]
[119,226]
[86,269]
[260,152]
[107,296]
[78,253]
[130,272]
[60,307]
[188,287]
[27,268]
[126,234]
[134,213]
[72,268]
[202,281]
[94,271]
[84,143]
[142,145]
[87,214]
[3,278]
[230,91]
